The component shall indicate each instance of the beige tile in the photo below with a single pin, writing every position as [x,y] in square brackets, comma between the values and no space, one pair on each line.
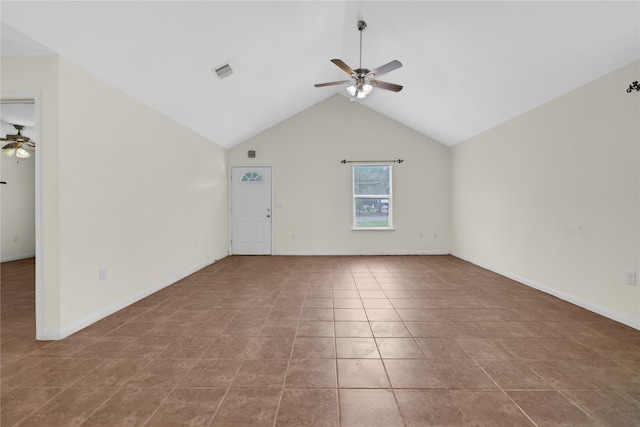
[414,315]
[229,347]
[24,370]
[244,407]
[513,375]
[550,409]
[489,408]
[353,329]
[308,408]
[309,348]
[188,407]
[369,408]
[422,408]
[345,293]
[355,302]
[389,330]
[608,407]
[104,348]
[413,373]
[485,348]
[382,314]
[133,329]
[71,407]
[271,348]
[356,348]
[399,348]
[442,348]
[315,329]
[376,303]
[129,406]
[361,373]
[65,373]
[147,346]
[349,315]
[162,373]
[311,373]
[261,373]
[318,302]
[113,373]
[212,373]
[462,374]
[17,403]
[367,294]
[186,347]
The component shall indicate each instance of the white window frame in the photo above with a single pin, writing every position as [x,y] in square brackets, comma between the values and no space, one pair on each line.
[355,196]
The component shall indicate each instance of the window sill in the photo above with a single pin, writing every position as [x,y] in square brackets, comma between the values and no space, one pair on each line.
[372,228]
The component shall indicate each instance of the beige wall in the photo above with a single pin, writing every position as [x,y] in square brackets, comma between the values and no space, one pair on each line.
[127,194]
[551,198]
[314,189]
[39,75]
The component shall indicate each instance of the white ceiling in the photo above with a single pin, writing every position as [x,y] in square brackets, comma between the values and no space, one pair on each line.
[468,66]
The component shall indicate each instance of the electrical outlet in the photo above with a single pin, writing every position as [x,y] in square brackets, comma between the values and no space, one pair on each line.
[631,278]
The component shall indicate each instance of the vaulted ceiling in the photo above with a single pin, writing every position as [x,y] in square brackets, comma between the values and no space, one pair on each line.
[468,66]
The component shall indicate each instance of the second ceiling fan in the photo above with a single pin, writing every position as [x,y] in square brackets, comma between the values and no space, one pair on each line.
[363,80]
[15,147]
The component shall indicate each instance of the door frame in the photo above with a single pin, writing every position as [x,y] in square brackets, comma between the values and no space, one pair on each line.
[40,294]
[231,167]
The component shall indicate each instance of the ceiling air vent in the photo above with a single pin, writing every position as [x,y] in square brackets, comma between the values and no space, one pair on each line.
[223,71]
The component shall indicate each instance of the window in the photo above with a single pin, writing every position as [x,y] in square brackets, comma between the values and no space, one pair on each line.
[251,177]
[372,200]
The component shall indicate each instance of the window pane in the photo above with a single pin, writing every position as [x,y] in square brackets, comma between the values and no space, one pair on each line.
[372,212]
[371,180]
[251,177]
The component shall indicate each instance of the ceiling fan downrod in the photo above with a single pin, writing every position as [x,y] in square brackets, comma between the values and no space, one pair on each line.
[361,26]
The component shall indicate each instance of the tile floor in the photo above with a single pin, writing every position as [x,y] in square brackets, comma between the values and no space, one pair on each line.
[324,341]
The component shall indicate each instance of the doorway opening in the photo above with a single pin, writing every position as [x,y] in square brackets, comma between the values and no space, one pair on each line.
[25,237]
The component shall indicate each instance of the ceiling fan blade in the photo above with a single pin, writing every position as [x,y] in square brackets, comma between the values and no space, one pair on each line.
[344,67]
[30,143]
[388,86]
[9,145]
[393,65]
[331,83]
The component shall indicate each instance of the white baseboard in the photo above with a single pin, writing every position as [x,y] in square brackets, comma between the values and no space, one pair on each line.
[362,253]
[588,305]
[109,310]
[17,257]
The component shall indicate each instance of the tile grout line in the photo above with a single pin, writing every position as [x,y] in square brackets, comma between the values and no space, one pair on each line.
[293,344]
[386,372]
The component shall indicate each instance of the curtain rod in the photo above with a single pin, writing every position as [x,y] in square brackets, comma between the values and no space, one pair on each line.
[372,161]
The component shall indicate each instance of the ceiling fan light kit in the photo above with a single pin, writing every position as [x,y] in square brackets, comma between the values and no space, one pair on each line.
[20,152]
[363,80]
[14,147]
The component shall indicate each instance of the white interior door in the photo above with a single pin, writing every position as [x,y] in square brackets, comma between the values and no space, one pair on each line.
[251,210]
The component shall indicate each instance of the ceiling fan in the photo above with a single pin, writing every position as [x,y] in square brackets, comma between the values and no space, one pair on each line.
[15,147]
[363,80]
